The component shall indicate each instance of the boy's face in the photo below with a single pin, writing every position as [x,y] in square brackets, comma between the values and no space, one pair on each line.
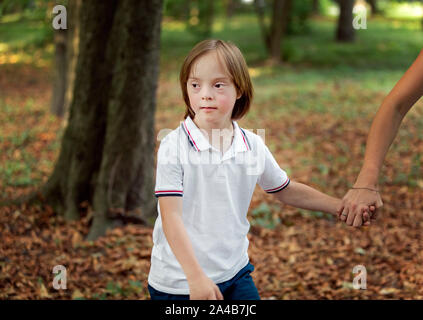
[211,92]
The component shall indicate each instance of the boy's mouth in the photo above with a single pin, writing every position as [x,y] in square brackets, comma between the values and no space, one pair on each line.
[208,108]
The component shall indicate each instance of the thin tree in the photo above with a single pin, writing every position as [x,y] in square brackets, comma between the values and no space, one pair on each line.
[72,46]
[374,6]
[66,54]
[60,71]
[345,31]
[315,7]
[273,36]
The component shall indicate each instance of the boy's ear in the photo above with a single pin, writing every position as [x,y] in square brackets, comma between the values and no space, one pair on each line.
[239,95]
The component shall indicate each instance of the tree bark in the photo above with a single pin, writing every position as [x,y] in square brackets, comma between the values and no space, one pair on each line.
[60,66]
[107,153]
[72,46]
[315,7]
[281,11]
[259,6]
[206,17]
[66,54]
[374,7]
[345,31]
[230,6]
[273,37]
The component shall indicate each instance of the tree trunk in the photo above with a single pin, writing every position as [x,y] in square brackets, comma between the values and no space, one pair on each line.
[281,11]
[273,36]
[107,153]
[66,47]
[210,17]
[315,7]
[187,10]
[345,31]
[59,79]
[374,7]
[71,51]
[259,6]
[230,6]
[206,17]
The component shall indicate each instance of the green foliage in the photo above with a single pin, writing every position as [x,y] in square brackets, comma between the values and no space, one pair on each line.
[401,9]
[25,9]
[176,9]
[201,18]
[25,30]
[116,290]
[316,214]
[97,296]
[384,47]
[324,7]
[13,6]
[17,170]
[265,216]
[19,174]
[298,22]
[415,171]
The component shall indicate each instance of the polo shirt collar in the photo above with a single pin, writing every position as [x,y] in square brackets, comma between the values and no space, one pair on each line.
[200,143]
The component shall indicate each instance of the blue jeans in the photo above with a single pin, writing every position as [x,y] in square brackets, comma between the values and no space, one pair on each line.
[240,287]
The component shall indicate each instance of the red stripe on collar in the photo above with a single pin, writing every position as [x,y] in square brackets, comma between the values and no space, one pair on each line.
[186,128]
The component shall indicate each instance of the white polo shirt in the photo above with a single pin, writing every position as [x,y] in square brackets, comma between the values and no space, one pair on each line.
[216,192]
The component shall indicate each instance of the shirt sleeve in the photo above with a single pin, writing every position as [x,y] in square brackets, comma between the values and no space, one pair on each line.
[273,178]
[169,173]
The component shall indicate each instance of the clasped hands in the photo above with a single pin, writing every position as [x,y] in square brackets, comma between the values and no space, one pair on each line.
[359,207]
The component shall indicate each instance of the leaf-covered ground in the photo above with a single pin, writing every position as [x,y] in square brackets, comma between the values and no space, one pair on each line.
[316,111]
[297,254]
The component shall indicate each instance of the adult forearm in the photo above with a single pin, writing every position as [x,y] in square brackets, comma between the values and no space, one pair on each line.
[382,133]
[388,119]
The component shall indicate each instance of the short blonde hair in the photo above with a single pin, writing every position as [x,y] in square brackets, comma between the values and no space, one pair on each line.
[235,64]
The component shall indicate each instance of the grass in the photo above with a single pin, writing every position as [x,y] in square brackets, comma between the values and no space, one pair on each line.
[316,109]
[25,38]
[319,75]
[320,78]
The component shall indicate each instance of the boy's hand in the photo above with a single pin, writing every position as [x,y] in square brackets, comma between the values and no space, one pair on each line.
[361,218]
[353,203]
[203,288]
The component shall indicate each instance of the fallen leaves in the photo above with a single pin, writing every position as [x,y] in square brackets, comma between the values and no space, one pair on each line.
[304,257]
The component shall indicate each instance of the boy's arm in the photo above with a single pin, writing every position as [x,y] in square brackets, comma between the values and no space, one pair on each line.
[302,196]
[201,287]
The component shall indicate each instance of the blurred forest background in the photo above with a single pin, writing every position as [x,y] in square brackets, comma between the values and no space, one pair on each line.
[77,173]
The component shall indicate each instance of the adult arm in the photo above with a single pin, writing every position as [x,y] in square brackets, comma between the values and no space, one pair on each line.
[382,133]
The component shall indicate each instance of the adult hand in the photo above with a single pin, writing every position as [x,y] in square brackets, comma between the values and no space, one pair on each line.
[355,204]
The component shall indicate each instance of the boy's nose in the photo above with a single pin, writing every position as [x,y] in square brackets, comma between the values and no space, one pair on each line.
[206,94]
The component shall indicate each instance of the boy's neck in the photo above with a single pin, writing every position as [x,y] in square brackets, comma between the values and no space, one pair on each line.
[209,126]
[226,125]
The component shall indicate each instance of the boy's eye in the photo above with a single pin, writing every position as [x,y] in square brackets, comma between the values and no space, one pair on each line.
[194,85]
[219,85]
